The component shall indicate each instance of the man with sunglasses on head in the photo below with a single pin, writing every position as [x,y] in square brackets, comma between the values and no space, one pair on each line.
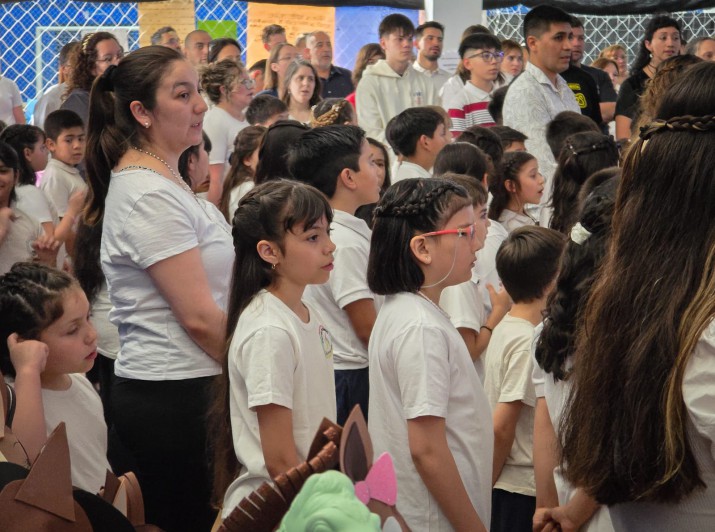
[467,103]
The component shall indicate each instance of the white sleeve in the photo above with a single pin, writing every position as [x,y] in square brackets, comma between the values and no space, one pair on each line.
[517,384]
[454,101]
[699,387]
[267,363]
[368,109]
[15,95]
[36,204]
[216,131]
[57,190]
[464,305]
[348,283]
[538,376]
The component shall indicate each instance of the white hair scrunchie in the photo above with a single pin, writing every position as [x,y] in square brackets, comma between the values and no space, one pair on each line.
[579,234]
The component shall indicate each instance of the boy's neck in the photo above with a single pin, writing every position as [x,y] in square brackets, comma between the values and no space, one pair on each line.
[481,83]
[344,202]
[531,312]
[421,158]
[55,381]
[54,158]
[400,67]
[292,296]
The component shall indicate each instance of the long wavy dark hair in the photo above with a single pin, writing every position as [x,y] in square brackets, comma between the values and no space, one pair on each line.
[624,430]
[579,265]
[266,212]
[656,23]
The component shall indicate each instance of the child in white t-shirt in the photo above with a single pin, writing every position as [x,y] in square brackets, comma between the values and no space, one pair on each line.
[427,406]
[46,342]
[338,161]
[277,384]
[508,367]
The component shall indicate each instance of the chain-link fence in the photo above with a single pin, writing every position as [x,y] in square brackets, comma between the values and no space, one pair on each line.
[627,30]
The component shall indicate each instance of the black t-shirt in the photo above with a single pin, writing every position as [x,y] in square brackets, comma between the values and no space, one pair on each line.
[606,92]
[586,91]
[630,95]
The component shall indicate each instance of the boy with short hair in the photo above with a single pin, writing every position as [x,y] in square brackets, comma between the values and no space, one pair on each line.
[565,124]
[418,135]
[511,139]
[338,161]
[508,362]
[392,85]
[467,103]
[265,109]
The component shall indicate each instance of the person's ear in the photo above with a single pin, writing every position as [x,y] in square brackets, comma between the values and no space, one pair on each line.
[274,67]
[140,113]
[420,250]
[531,42]
[648,45]
[269,252]
[27,153]
[191,163]
[50,144]
[510,186]
[347,179]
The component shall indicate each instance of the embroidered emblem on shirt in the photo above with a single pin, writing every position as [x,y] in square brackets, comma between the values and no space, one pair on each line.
[326,342]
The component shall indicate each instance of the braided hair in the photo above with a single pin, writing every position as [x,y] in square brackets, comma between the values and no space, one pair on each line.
[332,111]
[31,296]
[408,207]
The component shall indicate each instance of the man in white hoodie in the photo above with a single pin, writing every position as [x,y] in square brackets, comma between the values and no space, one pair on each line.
[392,85]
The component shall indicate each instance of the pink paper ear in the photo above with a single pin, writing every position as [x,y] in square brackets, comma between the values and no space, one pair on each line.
[380,484]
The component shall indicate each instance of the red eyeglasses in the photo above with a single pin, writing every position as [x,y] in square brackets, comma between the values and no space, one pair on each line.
[469,231]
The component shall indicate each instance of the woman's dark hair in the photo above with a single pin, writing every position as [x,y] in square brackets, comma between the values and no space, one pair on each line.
[31,297]
[625,433]
[291,71]
[409,207]
[461,158]
[272,162]
[112,128]
[9,157]
[582,155]
[365,212]
[217,45]
[579,266]
[21,137]
[247,141]
[192,151]
[331,112]
[658,22]
[85,259]
[509,169]
[266,212]
[364,55]
[83,59]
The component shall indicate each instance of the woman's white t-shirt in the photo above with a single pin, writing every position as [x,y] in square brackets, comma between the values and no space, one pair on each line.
[275,358]
[147,219]
[420,366]
[10,98]
[222,129]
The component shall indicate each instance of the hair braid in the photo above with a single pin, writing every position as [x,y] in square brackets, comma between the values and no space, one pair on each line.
[679,123]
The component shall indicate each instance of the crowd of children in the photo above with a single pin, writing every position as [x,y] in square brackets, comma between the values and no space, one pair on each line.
[226,292]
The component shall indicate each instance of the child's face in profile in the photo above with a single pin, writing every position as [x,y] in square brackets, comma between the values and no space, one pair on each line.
[378,158]
[71,339]
[482,224]
[69,146]
[440,138]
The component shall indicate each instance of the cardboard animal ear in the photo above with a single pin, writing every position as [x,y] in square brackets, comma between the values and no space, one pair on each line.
[10,448]
[355,447]
[49,484]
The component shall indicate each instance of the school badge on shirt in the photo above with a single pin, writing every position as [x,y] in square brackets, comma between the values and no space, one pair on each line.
[326,342]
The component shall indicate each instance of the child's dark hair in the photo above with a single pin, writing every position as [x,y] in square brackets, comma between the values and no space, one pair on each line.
[474,187]
[272,157]
[30,301]
[394,23]
[531,249]
[409,207]
[658,22]
[263,107]
[508,170]
[582,155]
[486,140]
[565,124]
[475,41]
[331,111]
[579,266]
[9,157]
[323,153]
[407,128]
[461,158]
[267,212]
[258,65]
[59,120]
[188,152]
[247,141]
[21,137]
[508,136]
[496,105]
[539,20]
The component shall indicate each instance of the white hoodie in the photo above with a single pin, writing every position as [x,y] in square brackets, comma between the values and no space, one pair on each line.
[382,94]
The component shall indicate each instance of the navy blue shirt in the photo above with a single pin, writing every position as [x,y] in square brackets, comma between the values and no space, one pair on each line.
[339,83]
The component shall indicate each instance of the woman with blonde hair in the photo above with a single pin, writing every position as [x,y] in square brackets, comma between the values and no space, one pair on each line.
[618,54]
[282,55]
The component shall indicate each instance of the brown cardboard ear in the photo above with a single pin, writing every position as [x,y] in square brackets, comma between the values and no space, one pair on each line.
[49,484]
[10,448]
[355,447]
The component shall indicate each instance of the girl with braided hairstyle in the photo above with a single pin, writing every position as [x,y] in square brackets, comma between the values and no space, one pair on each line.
[583,154]
[638,430]
[332,111]
[427,407]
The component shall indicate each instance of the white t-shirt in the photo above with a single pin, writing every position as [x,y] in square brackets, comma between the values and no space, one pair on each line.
[107,333]
[17,245]
[513,220]
[10,98]
[463,303]
[409,170]
[59,182]
[275,358]
[80,408]
[347,284]
[555,393]
[222,129]
[486,265]
[34,202]
[149,218]
[236,194]
[508,378]
[420,366]
[50,101]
